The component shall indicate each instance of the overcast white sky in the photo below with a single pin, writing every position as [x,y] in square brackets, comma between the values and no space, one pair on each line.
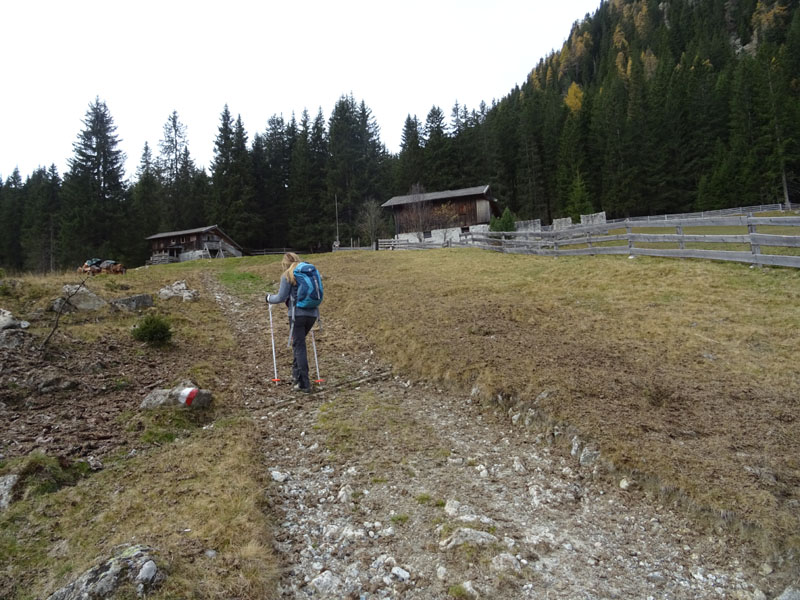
[148,58]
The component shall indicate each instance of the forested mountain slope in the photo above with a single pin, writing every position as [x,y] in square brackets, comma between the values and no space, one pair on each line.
[648,108]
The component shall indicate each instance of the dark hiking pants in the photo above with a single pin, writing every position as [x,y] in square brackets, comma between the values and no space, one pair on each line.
[302,325]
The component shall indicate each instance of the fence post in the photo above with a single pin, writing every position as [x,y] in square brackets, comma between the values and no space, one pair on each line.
[628,229]
[754,248]
[679,231]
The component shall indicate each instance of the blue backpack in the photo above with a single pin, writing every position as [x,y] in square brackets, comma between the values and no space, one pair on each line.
[309,286]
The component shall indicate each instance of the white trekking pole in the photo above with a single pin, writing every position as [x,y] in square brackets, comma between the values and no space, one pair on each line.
[316,362]
[272,338]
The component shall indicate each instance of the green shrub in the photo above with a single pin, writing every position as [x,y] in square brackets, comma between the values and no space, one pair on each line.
[507,222]
[155,330]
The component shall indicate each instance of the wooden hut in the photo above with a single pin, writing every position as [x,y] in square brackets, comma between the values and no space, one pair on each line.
[191,244]
[443,210]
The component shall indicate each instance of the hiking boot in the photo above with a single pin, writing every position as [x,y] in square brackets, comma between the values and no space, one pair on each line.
[296,387]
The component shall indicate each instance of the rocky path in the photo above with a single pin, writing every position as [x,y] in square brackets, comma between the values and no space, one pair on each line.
[388,488]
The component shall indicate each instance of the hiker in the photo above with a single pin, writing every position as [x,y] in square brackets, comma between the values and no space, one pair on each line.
[302,316]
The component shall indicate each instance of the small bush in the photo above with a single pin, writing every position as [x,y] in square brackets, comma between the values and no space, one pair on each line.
[154,330]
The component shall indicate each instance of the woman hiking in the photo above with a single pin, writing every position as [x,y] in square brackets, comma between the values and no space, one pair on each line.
[301,320]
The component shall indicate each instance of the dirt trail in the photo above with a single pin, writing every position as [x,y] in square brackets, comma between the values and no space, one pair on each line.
[384,487]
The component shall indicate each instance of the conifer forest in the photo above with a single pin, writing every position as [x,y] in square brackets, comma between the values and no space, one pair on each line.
[649,107]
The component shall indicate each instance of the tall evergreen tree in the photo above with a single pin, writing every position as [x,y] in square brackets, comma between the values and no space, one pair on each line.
[146,207]
[410,161]
[41,220]
[436,151]
[94,192]
[11,214]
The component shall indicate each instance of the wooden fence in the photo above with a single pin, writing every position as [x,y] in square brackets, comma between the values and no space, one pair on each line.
[392,244]
[747,234]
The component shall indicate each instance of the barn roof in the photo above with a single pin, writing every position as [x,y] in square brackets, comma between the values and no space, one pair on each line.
[481,190]
[167,234]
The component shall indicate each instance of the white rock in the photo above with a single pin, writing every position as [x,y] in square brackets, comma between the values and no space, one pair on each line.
[505,563]
[790,593]
[278,476]
[178,289]
[326,583]
[576,446]
[441,573]
[469,588]
[7,320]
[451,508]
[465,535]
[624,484]
[147,573]
[352,533]
[588,457]
[7,483]
[401,573]
[345,494]
[80,298]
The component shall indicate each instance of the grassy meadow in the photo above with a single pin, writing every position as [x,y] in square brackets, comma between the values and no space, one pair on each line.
[683,373]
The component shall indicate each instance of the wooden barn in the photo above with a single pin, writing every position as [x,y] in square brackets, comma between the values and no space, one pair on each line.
[191,244]
[443,210]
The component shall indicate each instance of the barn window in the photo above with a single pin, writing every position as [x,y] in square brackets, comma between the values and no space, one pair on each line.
[427,235]
[465,229]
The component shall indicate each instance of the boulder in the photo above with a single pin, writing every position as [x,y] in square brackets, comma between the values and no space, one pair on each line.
[179,289]
[466,535]
[12,339]
[186,394]
[505,563]
[7,483]
[133,564]
[7,321]
[78,298]
[133,303]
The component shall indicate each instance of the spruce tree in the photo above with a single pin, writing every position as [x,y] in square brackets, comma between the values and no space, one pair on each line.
[146,207]
[41,220]
[94,192]
[11,215]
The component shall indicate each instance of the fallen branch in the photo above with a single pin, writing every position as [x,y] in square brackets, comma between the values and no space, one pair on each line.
[60,311]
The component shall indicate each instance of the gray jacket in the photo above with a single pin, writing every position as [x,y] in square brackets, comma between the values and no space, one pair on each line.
[285,294]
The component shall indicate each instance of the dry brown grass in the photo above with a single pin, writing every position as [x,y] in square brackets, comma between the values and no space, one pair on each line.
[682,371]
[202,493]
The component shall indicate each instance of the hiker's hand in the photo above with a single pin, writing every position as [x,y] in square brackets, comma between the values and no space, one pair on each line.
[267,298]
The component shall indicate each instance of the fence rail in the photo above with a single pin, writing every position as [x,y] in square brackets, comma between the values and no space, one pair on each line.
[392,244]
[618,238]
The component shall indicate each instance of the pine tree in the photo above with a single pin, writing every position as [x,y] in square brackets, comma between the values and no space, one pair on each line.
[437,170]
[271,161]
[94,192]
[11,214]
[146,207]
[410,160]
[41,220]
[221,200]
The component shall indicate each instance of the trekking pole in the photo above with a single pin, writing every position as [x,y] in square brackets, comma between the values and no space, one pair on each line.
[316,362]
[272,338]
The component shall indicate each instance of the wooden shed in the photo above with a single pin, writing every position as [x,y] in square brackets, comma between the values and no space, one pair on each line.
[442,210]
[191,244]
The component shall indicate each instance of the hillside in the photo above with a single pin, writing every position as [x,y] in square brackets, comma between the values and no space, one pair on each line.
[648,108]
[596,427]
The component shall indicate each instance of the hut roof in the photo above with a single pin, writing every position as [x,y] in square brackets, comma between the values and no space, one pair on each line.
[478,191]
